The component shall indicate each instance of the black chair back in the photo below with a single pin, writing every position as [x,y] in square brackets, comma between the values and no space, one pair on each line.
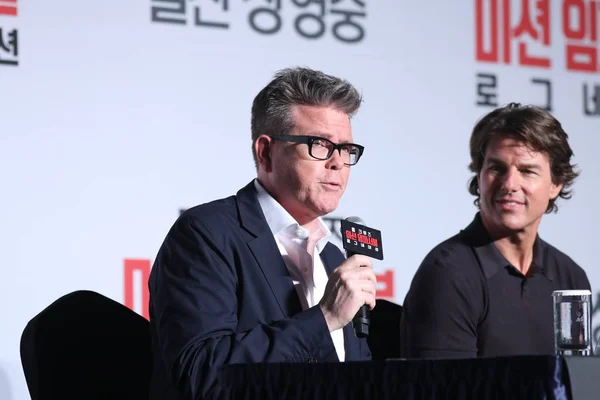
[87,346]
[384,332]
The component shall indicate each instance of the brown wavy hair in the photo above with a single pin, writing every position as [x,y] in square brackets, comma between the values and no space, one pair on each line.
[537,129]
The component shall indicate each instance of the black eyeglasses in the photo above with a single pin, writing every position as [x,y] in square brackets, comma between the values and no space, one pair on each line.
[322,149]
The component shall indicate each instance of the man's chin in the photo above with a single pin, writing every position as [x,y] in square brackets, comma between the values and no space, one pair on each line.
[324,209]
[513,223]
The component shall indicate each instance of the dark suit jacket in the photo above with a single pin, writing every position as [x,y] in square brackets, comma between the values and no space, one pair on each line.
[220,293]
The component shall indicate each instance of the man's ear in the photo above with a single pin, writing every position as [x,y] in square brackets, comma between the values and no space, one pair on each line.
[263,148]
[555,190]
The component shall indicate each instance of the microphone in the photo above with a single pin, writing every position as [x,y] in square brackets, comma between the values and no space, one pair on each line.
[359,239]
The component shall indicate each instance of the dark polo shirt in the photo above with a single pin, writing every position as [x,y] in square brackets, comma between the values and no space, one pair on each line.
[467,300]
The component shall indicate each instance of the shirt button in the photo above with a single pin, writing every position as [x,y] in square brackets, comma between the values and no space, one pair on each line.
[301,233]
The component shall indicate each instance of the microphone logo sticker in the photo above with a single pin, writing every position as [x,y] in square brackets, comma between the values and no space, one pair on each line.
[361,240]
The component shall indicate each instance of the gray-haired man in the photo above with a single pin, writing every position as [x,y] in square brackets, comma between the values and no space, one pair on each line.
[253,278]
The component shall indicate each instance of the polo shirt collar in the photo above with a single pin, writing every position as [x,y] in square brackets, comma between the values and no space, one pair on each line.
[490,257]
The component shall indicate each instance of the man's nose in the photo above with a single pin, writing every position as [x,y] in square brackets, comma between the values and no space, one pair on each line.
[511,180]
[335,162]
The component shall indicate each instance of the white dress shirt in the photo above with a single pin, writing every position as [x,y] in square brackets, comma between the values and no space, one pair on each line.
[297,248]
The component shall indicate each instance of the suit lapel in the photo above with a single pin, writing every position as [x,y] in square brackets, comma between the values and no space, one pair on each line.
[332,258]
[265,251]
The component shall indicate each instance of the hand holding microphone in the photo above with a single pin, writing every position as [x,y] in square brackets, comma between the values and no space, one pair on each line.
[350,286]
[351,289]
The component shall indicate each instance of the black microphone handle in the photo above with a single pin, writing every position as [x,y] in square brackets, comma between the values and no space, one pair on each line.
[362,319]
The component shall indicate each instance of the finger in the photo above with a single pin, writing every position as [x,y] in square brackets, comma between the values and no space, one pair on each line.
[369,299]
[353,277]
[367,274]
[362,261]
[368,287]
[347,265]
[354,263]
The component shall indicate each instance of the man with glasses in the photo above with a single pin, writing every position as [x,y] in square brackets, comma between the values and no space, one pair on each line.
[253,277]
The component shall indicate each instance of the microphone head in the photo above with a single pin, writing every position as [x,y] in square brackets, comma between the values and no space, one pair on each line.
[355,220]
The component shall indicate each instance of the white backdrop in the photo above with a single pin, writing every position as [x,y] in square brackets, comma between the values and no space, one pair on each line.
[111,122]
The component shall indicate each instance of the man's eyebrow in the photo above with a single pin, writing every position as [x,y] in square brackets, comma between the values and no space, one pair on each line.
[327,136]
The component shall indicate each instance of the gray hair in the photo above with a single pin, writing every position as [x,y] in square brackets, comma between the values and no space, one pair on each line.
[298,86]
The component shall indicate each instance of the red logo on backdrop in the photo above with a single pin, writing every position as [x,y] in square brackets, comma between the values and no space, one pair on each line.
[500,33]
[519,32]
[135,285]
[6,8]
[582,37]
[385,285]
[137,271]
[496,33]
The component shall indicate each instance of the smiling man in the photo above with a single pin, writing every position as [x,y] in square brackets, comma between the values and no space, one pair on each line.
[253,277]
[487,290]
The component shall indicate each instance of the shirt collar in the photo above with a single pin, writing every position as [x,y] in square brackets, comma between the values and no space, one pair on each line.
[282,223]
[490,257]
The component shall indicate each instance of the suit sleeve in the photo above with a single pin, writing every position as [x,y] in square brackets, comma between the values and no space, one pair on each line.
[365,351]
[441,313]
[193,290]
